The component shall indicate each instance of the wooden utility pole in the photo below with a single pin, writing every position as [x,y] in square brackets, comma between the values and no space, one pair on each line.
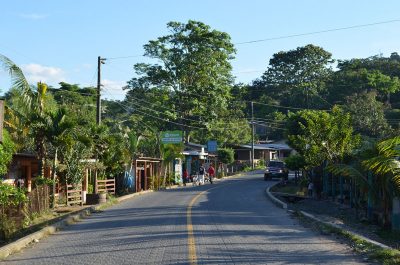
[98,105]
[252,135]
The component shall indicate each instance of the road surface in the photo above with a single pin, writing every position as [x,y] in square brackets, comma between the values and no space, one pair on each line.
[229,222]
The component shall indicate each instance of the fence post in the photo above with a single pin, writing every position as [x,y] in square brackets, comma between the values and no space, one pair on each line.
[369,206]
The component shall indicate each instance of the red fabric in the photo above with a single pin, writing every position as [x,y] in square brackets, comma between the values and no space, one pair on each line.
[185,174]
[211,171]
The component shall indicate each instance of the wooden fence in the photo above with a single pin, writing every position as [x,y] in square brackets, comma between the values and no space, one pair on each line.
[105,185]
[39,199]
[74,195]
[38,202]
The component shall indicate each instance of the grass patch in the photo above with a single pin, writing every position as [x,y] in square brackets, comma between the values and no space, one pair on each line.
[111,200]
[374,252]
[289,189]
[391,236]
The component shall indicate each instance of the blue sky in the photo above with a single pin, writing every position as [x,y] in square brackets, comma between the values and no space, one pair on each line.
[60,40]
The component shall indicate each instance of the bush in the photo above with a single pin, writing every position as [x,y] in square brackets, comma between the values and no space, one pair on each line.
[10,197]
[226,155]
[7,149]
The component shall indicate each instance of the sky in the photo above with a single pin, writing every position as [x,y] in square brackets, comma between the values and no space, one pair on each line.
[54,41]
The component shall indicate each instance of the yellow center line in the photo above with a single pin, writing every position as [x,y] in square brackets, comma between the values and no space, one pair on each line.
[191,241]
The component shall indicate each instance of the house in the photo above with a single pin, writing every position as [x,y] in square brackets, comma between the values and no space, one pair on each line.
[24,167]
[147,173]
[262,152]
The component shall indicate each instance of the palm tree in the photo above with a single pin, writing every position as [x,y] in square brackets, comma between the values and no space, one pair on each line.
[386,166]
[383,161]
[18,79]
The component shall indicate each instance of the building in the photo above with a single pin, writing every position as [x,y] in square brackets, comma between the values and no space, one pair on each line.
[262,152]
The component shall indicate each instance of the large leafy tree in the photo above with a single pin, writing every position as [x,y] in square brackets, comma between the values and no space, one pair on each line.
[194,67]
[363,75]
[297,77]
[367,114]
[320,135]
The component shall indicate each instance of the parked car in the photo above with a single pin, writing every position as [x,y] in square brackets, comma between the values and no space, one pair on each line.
[276,169]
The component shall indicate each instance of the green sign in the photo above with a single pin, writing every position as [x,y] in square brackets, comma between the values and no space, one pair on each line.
[171,137]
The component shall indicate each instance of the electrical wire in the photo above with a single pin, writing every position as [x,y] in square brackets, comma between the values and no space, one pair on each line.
[318,32]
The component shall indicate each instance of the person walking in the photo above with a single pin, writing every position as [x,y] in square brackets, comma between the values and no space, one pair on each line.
[185,177]
[201,174]
[310,189]
[211,172]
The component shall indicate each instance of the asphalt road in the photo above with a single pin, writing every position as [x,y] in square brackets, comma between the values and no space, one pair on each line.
[229,222]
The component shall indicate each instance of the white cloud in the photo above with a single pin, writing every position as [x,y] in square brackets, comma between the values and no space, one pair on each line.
[33,16]
[36,72]
[87,65]
[113,89]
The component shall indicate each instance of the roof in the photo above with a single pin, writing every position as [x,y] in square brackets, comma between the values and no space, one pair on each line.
[248,146]
[280,146]
[195,145]
[266,146]
[26,155]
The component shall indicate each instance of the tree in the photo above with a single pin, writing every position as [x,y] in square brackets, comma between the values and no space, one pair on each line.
[7,149]
[384,83]
[367,114]
[295,162]
[194,66]
[319,135]
[363,75]
[226,155]
[169,152]
[18,80]
[297,77]
[386,166]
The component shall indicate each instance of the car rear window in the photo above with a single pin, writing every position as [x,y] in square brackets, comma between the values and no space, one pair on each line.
[275,164]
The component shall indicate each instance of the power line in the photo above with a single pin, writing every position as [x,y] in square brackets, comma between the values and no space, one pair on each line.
[176,123]
[319,32]
[124,57]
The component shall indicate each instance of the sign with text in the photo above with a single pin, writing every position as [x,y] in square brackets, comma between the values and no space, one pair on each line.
[171,137]
[212,146]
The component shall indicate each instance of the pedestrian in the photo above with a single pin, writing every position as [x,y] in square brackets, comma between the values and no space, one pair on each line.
[185,177]
[201,174]
[211,172]
[310,189]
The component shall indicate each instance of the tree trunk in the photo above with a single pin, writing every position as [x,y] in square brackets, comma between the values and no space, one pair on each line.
[53,177]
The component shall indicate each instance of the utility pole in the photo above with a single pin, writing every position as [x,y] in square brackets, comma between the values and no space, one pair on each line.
[98,105]
[252,135]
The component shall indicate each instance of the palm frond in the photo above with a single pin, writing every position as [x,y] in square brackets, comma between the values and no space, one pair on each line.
[18,79]
[390,147]
[347,171]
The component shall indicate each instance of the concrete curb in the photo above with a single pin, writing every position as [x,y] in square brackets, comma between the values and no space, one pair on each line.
[68,219]
[316,219]
[274,199]
[132,195]
[23,242]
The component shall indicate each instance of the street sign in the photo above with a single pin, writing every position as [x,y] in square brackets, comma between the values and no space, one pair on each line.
[171,137]
[212,146]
